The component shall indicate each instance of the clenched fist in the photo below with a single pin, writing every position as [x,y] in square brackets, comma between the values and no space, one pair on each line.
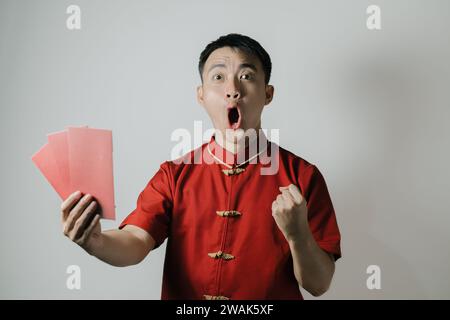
[289,211]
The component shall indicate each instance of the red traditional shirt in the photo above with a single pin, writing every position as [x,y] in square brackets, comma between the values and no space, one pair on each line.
[223,242]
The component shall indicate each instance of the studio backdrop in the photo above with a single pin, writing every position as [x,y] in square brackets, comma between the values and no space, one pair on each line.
[361,91]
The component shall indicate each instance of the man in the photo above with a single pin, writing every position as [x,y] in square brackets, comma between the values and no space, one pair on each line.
[233,232]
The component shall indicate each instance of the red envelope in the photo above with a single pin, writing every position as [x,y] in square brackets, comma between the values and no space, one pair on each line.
[91,166]
[60,152]
[45,162]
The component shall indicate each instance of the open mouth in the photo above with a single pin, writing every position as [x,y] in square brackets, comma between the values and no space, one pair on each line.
[234,117]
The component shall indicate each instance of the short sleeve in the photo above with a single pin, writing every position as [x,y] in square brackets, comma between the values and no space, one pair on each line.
[154,206]
[321,215]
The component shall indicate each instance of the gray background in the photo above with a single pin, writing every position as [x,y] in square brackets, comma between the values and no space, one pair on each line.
[369,108]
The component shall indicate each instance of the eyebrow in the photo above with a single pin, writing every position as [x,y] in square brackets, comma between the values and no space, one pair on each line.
[248,65]
[241,66]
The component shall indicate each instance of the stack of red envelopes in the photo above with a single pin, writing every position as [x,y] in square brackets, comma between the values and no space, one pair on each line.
[80,158]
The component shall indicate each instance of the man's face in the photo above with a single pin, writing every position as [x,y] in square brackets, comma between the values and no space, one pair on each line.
[234,92]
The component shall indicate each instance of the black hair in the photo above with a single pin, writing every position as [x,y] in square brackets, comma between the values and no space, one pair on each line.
[240,42]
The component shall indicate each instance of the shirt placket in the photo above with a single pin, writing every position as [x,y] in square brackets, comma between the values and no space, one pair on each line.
[229,213]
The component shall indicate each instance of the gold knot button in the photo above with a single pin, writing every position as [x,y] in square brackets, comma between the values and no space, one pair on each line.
[229,213]
[233,171]
[221,255]
[208,297]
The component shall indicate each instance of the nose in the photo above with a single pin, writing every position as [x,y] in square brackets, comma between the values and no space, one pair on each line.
[233,94]
[232,91]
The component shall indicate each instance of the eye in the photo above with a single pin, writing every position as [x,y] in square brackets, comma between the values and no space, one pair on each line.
[246,76]
[217,77]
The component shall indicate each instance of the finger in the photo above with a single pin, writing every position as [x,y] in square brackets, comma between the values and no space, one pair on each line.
[89,230]
[286,192]
[76,212]
[287,196]
[280,200]
[294,190]
[83,221]
[283,202]
[68,204]
[274,207]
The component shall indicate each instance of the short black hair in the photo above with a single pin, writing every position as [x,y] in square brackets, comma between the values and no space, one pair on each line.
[240,42]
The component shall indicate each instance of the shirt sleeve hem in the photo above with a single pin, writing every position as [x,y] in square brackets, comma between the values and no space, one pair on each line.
[151,229]
[331,247]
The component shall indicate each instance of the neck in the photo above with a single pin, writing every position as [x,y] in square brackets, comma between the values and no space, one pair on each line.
[236,147]
[229,146]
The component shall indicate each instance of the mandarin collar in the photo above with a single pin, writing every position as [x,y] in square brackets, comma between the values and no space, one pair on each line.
[236,159]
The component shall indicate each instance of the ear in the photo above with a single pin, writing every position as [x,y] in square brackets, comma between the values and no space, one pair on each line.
[269,94]
[200,94]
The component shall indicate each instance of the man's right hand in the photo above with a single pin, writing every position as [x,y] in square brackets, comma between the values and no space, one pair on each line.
[80,222]
[120,248]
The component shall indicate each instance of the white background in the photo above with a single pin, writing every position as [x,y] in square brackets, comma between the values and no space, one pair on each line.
[369,108]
